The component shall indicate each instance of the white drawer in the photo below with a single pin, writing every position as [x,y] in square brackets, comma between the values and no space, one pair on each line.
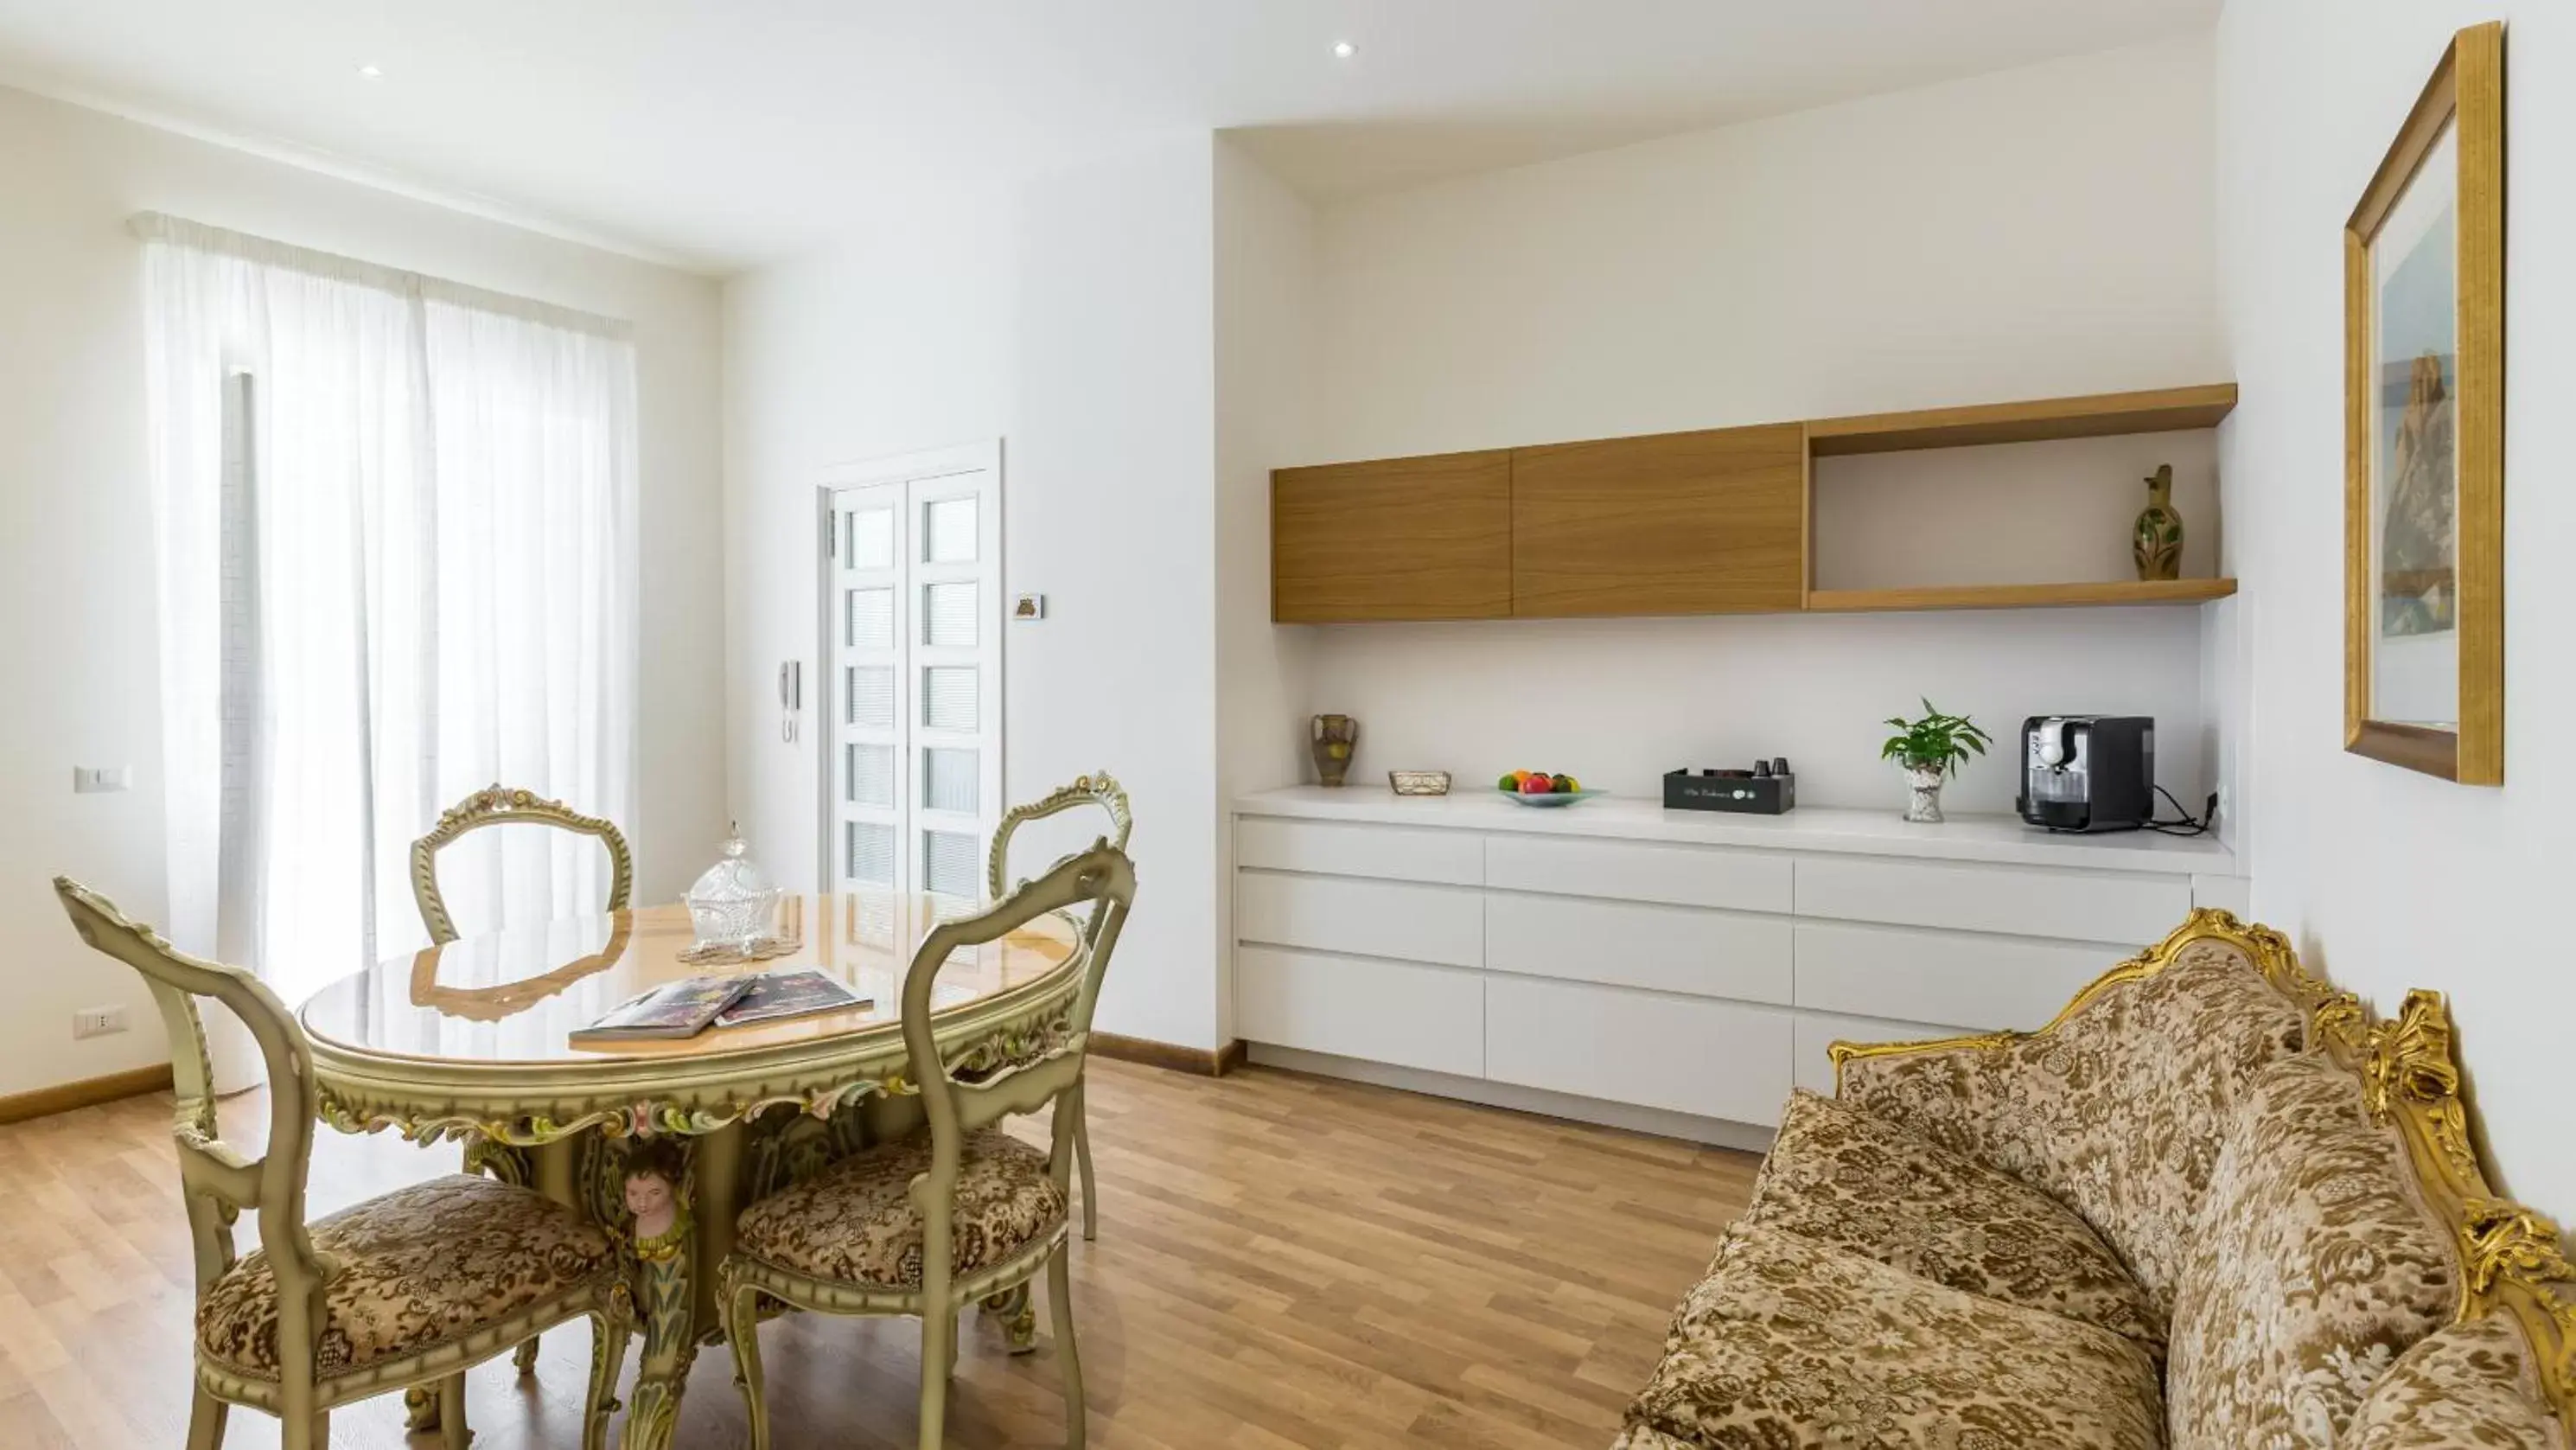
[1629,871]
[2227,893]
[1392,853]
[1668,948]
[2015,900]
[1432,1018]
[1715,1059]
[1441,924]
[1977,983]
[1815,1030]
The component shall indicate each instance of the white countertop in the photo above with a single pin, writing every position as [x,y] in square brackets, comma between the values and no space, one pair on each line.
[1964,837]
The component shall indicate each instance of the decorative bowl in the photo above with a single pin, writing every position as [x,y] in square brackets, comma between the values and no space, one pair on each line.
[1418,782]
[1552,798]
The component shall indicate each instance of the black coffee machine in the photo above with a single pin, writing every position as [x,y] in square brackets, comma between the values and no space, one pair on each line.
[2088,772]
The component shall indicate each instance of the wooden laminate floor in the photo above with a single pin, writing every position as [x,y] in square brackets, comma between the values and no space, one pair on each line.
[1284,1261]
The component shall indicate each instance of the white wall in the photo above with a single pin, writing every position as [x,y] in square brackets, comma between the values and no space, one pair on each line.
[1265,357]
[77,625]
[1072,317]
[2389,879]
[1938,246]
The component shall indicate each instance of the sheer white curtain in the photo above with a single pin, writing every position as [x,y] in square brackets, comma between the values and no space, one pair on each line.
[399,567]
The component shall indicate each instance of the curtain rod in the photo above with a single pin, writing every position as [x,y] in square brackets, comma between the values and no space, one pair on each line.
[153,226]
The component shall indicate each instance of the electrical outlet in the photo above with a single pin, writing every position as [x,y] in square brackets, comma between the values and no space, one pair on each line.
[98,1021]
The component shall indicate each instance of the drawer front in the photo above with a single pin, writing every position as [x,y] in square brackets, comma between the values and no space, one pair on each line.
[2014,900]
[1714,1059]
[1974,983]
[1388,853]
[1814,1030]
[1372,918]
[1668,948]
[1628,871]
[1432,1018]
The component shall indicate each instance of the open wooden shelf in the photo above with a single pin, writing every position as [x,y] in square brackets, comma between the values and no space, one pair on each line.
[2020,596]
[2101,415]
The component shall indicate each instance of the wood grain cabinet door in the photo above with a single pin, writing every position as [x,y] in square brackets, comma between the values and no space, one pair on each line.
[1400,538]
[1674,523]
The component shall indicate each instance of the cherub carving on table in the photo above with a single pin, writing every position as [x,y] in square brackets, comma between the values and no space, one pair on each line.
[653,1174]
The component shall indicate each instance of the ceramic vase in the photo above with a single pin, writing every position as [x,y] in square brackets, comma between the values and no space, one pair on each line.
[1334,738]
[1923,795]
[2156,542]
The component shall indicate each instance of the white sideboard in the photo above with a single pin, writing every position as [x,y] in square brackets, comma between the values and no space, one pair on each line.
[1673,970]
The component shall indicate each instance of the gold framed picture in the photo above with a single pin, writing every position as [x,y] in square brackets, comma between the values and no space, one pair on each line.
[2424,432]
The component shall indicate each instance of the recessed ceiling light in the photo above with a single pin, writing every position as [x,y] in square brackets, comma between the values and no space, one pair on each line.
[372,72]
[1344,50]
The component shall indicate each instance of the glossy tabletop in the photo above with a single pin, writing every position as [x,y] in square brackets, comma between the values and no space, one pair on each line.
[513,997]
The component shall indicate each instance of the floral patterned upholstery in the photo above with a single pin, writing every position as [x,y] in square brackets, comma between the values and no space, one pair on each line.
[2469,1384]
[2317,1263]
[1788,1344]
[2115,1113]
[855,1223]
[418,1267]
[1844,1179]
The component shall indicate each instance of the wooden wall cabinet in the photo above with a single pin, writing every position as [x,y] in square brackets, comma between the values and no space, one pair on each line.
[1399,538]
[1675,523]
[1714,522]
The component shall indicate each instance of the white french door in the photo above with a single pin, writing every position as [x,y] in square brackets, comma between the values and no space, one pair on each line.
[912,559]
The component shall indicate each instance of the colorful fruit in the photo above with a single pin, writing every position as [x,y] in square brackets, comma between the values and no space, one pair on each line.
[1537,785]
[1567,784]
[1511,780]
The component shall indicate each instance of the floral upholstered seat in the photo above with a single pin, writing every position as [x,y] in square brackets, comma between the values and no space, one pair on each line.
[1788,1345]
[2293,1181]
[856,1223]
[2474,1383]
[2116,1111]
[416,1268]
[1839,1177]
[2316,1264]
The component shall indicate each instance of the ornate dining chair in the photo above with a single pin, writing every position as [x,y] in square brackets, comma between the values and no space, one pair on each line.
[412,1288]
[958,1212]
[496,805]
[1097,789]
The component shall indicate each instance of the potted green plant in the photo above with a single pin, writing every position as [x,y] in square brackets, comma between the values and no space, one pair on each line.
[1930,751]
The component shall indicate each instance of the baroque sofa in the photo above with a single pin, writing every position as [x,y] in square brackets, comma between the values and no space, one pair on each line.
[2215,1205]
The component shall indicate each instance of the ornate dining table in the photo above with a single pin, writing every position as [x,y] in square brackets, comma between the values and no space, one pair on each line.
[471,1042]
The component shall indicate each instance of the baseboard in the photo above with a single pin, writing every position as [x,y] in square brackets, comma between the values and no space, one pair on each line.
[1196,1061]
[88,1092]
[1659,1122]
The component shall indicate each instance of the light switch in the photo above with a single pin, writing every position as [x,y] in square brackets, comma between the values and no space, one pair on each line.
[99,779]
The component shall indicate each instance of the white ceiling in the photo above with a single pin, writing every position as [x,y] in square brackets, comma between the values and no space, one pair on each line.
[724,133]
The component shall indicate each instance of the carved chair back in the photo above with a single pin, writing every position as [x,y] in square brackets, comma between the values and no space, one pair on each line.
[1101,879]
[496,805]
[1098,789]
[217,1180]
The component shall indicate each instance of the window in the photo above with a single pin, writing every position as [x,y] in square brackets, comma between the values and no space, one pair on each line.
[395,523]
[912,563]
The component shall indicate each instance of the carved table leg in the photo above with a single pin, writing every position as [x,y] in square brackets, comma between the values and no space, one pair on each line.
[420,1409]
[1017,1312]
[676,1254]
[670,1347]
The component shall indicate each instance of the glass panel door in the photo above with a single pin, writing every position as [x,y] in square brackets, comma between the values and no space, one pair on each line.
[914,636]
[866,679]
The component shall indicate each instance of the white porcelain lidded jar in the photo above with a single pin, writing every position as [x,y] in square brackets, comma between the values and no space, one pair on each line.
[733,906]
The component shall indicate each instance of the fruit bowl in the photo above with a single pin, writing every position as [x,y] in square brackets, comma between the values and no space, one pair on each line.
[1551,798]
